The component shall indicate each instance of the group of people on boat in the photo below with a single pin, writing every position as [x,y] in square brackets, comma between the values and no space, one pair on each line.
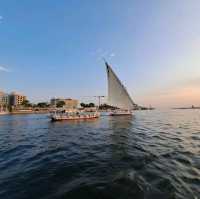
[70,115]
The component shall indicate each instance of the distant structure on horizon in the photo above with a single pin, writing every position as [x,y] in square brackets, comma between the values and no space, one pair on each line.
[4,99]
[16,99]
[68,103]
[13,99]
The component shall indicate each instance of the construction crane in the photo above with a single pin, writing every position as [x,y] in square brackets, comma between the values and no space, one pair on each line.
[99,98]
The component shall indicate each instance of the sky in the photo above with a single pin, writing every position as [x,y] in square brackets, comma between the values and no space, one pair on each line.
[55,49]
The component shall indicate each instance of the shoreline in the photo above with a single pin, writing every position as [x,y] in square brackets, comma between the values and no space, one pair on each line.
[190,108]
[24,113]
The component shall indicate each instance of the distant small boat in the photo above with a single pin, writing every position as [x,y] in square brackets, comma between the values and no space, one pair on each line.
[118,95]
[73,115]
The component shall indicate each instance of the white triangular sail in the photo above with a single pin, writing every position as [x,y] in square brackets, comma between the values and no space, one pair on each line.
[117,93]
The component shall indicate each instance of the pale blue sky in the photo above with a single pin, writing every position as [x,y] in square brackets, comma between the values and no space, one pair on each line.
[54,48]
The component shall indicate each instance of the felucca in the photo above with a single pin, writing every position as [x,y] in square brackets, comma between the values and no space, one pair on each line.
[118,96]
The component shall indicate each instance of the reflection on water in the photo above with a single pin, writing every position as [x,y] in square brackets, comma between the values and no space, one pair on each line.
[151,155]
[119,135]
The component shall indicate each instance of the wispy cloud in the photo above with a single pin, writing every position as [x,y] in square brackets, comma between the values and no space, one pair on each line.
[112,55]
[4,69]
[101,53]
[1,18]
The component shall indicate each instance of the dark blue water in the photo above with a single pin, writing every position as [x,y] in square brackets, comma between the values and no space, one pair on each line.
[154,155]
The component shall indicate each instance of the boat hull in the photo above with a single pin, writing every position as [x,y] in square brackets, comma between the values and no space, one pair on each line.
[82,117]
[121,113]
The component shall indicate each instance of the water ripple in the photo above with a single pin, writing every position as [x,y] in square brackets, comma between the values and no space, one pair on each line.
[150,156]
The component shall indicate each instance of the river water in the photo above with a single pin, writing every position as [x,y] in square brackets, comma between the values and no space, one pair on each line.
[153,155]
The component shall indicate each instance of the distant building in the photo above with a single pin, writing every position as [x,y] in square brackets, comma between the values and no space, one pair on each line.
[16,99]
[1,97]
[69,103]
[4,99]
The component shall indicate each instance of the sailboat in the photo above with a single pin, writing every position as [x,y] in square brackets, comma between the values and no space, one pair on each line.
[118,96]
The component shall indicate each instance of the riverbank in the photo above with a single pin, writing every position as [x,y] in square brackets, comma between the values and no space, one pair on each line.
[24,112]
[187,108]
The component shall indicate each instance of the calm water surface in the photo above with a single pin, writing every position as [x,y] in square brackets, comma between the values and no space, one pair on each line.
[152,155]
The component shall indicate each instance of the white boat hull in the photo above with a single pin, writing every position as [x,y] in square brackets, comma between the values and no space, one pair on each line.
[121,113]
